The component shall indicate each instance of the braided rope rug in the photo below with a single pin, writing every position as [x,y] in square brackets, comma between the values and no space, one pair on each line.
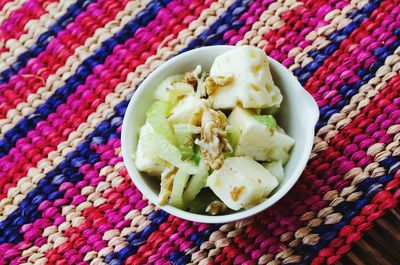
[68,69]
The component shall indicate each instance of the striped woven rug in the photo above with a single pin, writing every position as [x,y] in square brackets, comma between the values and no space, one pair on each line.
[68,69]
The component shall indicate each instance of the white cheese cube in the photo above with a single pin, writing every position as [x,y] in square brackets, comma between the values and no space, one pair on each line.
[257,140]
[146,159]
[241,182]
[182,112]
[252,86]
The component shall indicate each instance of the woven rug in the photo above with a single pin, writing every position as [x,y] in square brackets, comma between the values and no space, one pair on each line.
[68,69]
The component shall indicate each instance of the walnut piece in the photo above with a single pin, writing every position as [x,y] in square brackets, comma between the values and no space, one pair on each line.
[192,76]
[212,140]
[216,207]
[213,83]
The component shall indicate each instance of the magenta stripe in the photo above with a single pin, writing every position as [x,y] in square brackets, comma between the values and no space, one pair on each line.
[51,214]
[114,70]
[59,49]
[13,27]
[252,15]
[361,57]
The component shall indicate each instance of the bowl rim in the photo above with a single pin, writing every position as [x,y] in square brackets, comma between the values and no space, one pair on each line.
[281,192]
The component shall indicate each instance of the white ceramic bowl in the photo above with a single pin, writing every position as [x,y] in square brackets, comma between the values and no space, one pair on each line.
[298,116]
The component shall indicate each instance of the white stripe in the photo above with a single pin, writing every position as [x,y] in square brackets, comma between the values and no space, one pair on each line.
[8,8]
[34,28]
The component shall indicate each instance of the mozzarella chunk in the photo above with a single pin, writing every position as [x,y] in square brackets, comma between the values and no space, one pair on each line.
[241,182]
[258,141]
[182,112]
[147,159]
[252,86]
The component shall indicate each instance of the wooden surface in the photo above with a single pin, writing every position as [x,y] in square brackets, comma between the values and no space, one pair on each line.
[380,245]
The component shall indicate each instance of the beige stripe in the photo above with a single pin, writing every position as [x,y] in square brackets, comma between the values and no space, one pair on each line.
[357,102]
[9,204]
[338,20]
[17,194]
[204,21]
[73,218]
[35,28]
[326,215]
[350,193]
[81,53]
[268,20]
[8,8]
[213,247]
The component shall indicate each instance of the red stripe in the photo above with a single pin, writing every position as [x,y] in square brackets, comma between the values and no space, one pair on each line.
[14,26]
[72,195]
[98,220]
[34,75]
[298,23]
[84,101]
[109,215]
[171,236]
[346,151]
[349,234]
[319,78]
[4,2]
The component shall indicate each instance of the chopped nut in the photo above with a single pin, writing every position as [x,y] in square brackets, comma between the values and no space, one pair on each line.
[167,179]
[236,192]
[212,142]
[213,83]
[216,207]
[192,76]
[195,119]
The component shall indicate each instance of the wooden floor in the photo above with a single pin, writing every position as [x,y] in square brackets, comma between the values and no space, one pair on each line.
[380,245]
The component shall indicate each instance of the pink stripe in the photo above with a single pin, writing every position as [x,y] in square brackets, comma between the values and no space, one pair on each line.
[318,178]
[298,23]
[13,26]
[252,15]
[4,2]
[59,49]
[359,37]
[349,234]
[99,220]
[83,102]
[287,220]
[51,214]
[172,235]
[349,60]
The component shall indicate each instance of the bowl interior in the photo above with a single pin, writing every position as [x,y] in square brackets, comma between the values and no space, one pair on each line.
[297,116]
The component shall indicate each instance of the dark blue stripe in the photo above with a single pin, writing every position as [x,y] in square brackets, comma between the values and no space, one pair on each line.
[28,123]
[336,37]
[72,12]
[365,74]
[227,21]
[135,240]
[224,23]
[198,238]
[180,258]
[370,187]
[48,187]
[68,170]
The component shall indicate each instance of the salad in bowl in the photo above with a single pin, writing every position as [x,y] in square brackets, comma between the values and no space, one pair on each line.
[211,139]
